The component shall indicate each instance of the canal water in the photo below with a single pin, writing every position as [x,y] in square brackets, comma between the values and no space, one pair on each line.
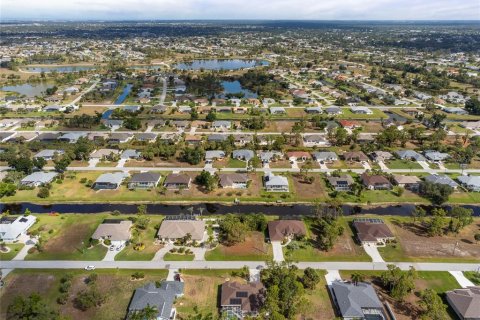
[30,90]
[211,208]
[124,94]
[232,87]
[62,69]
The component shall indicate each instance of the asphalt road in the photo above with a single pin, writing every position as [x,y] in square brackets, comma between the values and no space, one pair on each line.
[232,265]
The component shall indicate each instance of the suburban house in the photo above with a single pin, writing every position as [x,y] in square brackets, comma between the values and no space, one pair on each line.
[145,137]
[115,230]
[72,137]
[238,300]
[267,156]
[130,154]
[242,139]
[357,156]
[279,230]
[277,110]
[243,154]
[325,156]
[217,137]
[47,137]
[214,154]
[441,179]
[275,183]
[221,125]
[102,154]
[171,230]
[109,180]
[436,156]
[144,180]
[333,110]
[472,183]
[372,231]
[177,181]
[349,124]
[410,155]
[357,301]
[298,155]
[12,228]
[375,182]
[313,110]
[315,140]
[382,156]
[341,183]
[233,180]
[465,302]
[161,298]
[112,123]
[48,154]
[38,178]
[361,110]
[119,137]
[408,182]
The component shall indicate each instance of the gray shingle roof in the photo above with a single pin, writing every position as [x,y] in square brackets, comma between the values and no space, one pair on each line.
[441,179]
[162,298]
[352,299]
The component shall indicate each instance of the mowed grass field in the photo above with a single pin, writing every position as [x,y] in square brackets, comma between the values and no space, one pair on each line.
[14,249]
[115,284]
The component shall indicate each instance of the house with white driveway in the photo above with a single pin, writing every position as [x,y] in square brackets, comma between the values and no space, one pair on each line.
[12,228]
[109,181]
[171,230]
[115,230]
[275,183]
[38,178]
[233,180]
[472,183]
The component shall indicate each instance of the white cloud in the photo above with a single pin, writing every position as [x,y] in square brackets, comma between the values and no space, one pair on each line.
[242,9]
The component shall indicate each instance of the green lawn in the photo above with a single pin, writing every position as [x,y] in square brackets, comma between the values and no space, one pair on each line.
[473,276]
[235,163]
[147,237]
[217,255]
[14,249]
[178,257]
[403,164]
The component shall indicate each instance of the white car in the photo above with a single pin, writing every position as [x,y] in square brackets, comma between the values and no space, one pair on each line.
[90,268]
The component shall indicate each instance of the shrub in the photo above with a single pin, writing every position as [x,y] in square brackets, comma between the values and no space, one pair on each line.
[88,299]
[92,278]
[107,242]
[63,298]
[94,242]
[83,180]
[139,247]
[138,275]
[116,213]
[65,286]
[43,192]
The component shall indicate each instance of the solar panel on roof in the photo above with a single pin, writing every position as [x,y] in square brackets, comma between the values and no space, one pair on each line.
[242,294]
[235,301]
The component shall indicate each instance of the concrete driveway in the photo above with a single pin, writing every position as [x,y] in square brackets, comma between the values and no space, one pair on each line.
[372,251]
[92,163]
[277,251]
[461,279]
[331,276]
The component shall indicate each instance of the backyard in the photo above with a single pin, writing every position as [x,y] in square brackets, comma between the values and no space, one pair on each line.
[253,248]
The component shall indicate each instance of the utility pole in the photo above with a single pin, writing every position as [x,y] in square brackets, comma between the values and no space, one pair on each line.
[454,248]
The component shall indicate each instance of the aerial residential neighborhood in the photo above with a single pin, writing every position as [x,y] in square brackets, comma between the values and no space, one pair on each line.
[226,160]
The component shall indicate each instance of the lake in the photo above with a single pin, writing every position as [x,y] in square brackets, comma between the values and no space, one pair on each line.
[124,94]
[235,87]
[29,89]
[219,64]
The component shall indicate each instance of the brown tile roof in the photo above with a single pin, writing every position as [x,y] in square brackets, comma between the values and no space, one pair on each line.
[249,296]
[175,229]
[371,180]
[355,155]
[177,178]
[278,230]
[228,179]
[372,231]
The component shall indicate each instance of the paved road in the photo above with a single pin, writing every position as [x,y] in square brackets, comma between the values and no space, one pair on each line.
[199,169]
[232,265]
[77,99]
[164,91]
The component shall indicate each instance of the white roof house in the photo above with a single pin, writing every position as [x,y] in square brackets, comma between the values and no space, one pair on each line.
[11,229]
[38,178]
[361,110]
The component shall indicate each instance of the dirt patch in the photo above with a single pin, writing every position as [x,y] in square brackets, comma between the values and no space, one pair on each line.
[253,244]
[415,244]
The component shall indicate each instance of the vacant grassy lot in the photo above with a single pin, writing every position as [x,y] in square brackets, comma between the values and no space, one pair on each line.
[318,304]
[202,291]
[116,285]
[66,237]
[305,191]
[473,276]
[345,248]
[412,244]
[253,248]
[14,249]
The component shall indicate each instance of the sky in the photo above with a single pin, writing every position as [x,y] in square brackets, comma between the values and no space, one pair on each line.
[240,9]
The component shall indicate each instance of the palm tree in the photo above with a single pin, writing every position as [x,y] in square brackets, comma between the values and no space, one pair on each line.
[357,277]
[149,312]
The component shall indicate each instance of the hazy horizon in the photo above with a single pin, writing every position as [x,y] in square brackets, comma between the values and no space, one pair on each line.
[313,10]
